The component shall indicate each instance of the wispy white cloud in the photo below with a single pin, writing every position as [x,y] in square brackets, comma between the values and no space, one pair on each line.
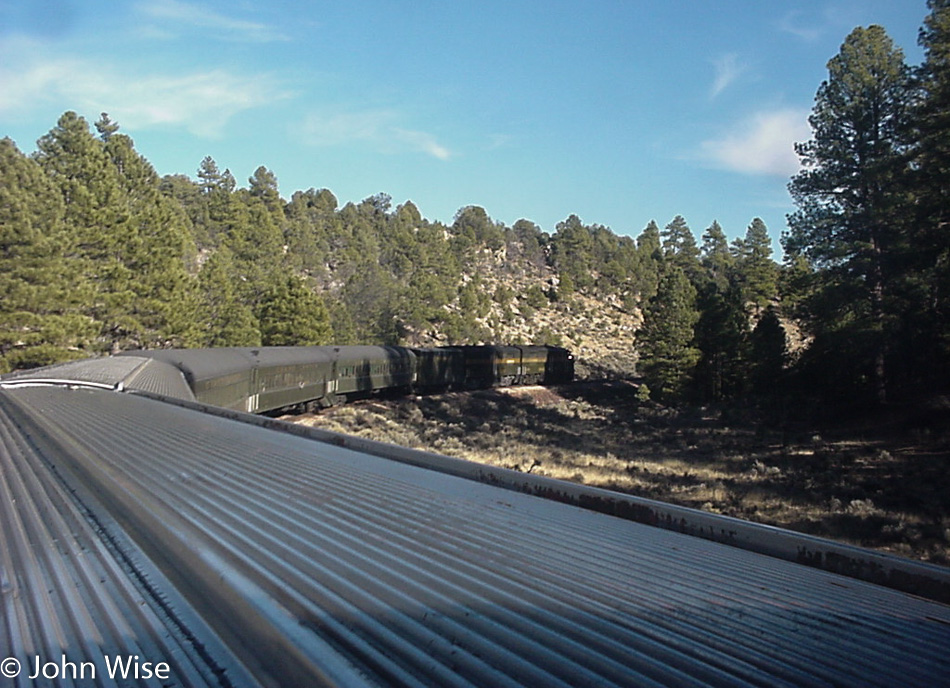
[335,128]
[176,14]
[379,128]
[795,24]
[201,102]
[728,70]
[762,144]
[422,141]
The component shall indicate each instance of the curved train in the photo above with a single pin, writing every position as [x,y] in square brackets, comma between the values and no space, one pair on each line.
[258,380]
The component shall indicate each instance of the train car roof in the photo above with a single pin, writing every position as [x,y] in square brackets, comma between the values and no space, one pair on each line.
[491,349]
[202,364]
[244,556]
[132,372]
[291,355]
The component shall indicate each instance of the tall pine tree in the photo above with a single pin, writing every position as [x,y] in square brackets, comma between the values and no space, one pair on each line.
[928,312]
[756,272]
[41,293]
[666,341]
[101,237]
[851,211]
[160,250]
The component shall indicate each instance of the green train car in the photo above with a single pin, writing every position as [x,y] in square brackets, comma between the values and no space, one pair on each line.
[258,380]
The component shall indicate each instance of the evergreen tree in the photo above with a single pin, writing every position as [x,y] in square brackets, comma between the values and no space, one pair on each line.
[932,121]
[650,253]
[370,299]
[256,239]
[263,186]
[219,210]
[356,247]
[421,303]
[716,257]
[769,353]
[928,313]
[565,287]
[722,338]
[78,165]
[165,298]
[228,321]
[474,228]
[292,315]
[851,210]
[187,196]
[532,241]
[311,222]
[756,272]
[666,345]
[572,251]
[398,242]
[210,177]
[109,194]
[41,294]
[106,127]
[679,248]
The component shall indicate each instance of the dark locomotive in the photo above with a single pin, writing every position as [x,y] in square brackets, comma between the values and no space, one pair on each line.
[264,379]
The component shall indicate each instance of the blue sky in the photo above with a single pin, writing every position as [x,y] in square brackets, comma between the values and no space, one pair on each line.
[617,111]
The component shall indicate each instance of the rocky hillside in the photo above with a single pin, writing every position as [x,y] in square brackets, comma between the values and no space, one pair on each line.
[599,329]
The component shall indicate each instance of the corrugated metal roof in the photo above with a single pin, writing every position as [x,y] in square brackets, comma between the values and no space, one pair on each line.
[313,563]
[120,372]
[71,585]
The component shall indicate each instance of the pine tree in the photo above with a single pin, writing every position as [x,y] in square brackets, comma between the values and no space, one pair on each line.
[311,221]
[263,186]
[293,315]
[226,320]
[165,300]
[100,235]
[473,228]
[666,346]
[256,240]
[130,242]
[218,211]
[679,248]
[756,272]
[650,255]
[356,247]
[769,353]
[928,313]
[572,251]
[851,211]
[531,240]
[370,299]
[106,127]
[716,257]
[722,338]
[210,178]
[41,294]
[932,118]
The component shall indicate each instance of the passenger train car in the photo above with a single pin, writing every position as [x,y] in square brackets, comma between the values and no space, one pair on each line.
[264,379]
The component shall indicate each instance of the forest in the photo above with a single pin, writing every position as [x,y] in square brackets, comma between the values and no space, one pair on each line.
[99,254]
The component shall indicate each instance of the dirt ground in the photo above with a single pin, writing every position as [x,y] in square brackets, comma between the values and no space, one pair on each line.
[879,481]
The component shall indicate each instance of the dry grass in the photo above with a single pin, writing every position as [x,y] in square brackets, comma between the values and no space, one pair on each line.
[884,485]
